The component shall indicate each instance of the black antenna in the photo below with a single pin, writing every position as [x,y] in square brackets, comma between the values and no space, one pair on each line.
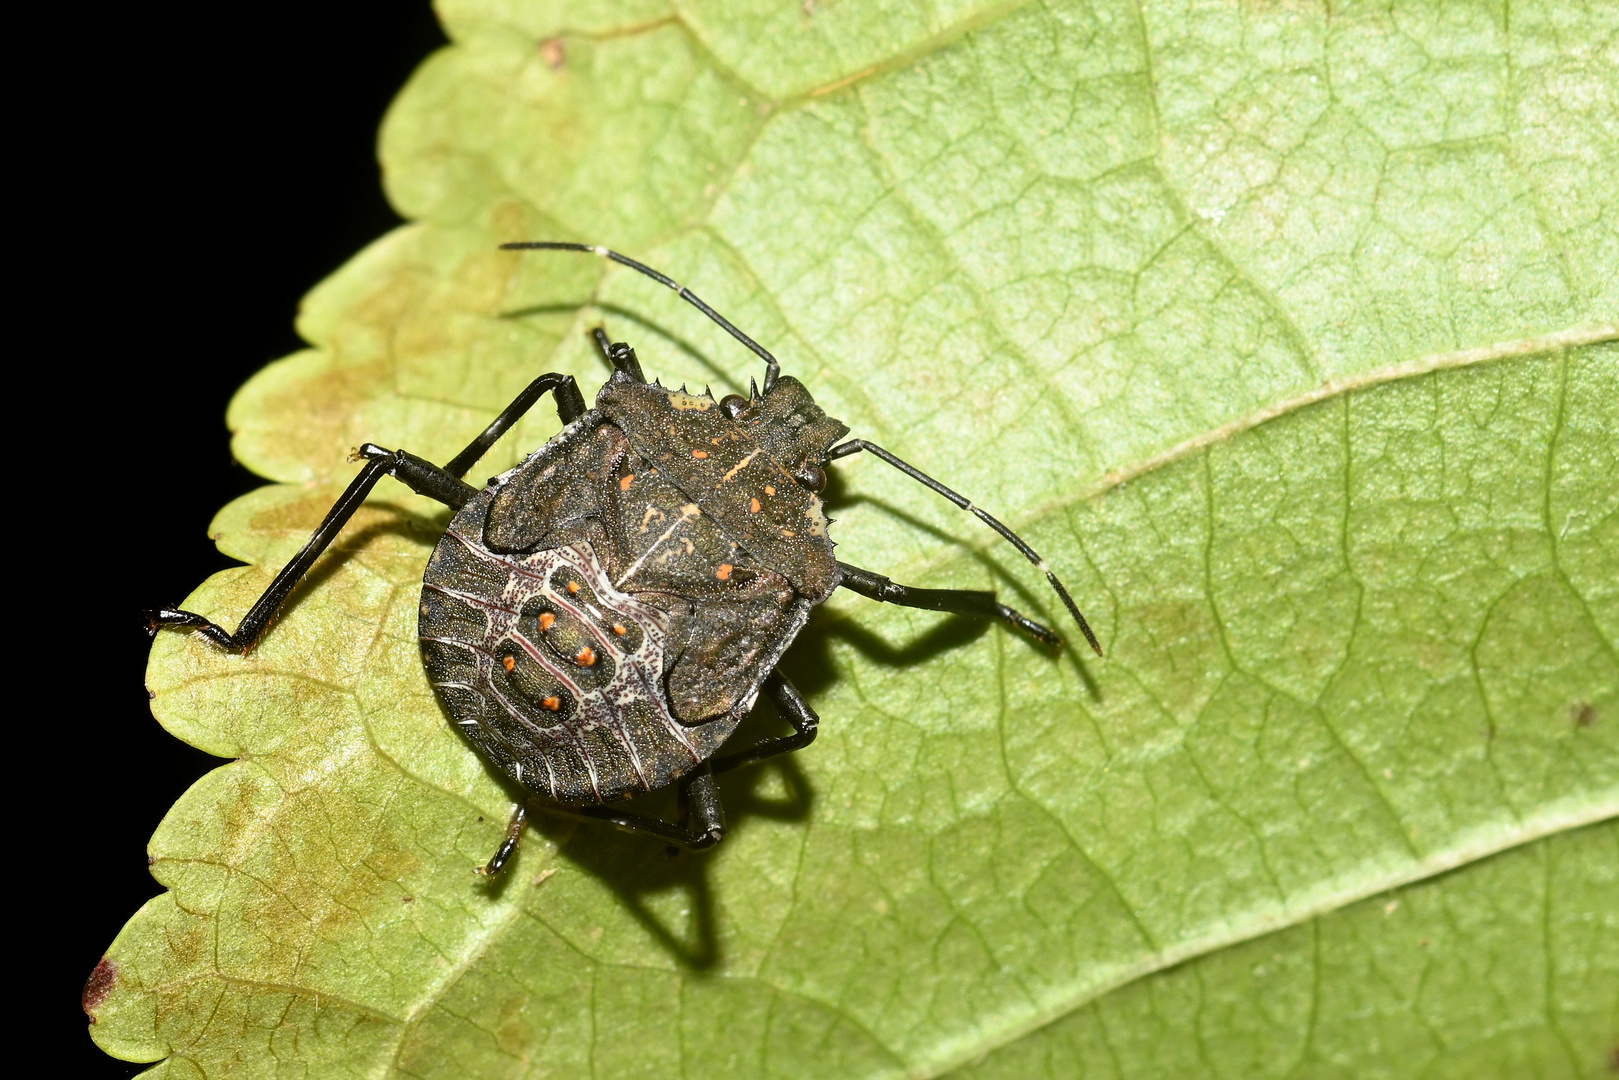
[772,367]
[854,446]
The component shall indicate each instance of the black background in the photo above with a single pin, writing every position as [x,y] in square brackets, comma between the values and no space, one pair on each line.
[216,162]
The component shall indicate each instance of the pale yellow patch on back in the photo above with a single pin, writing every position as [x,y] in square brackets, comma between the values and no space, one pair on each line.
[817,519]
[689,402]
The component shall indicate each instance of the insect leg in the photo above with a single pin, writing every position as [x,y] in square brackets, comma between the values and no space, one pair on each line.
[959,601]
[702,823]
[702,818]
[854,446]
[618,354]
[797,712]
[570,407]
[772,366]
[508,846]
[422,476]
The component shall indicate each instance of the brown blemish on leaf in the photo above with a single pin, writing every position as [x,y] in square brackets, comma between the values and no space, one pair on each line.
[296,518]
[555,53]
[327,401]
[1583,713]
[322,889]
[96,988]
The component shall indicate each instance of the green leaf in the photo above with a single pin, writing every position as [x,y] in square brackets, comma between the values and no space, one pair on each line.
[1287,336]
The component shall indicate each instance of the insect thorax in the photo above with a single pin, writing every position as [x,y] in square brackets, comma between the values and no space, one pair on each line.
[729,469]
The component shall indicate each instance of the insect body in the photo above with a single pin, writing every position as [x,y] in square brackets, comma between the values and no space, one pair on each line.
[599,619]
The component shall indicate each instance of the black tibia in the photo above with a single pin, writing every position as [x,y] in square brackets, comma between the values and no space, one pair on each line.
[854,446]
[422,476]
[620,355]
[702,818]
[795,710]
[508,846]
[772,367]
[570,407]
[959,601]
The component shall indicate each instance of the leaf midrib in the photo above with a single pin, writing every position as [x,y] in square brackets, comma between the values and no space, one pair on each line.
[1568,338]
[1473,844]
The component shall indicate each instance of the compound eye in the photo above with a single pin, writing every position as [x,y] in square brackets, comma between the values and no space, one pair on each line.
[812,477]
[734,405]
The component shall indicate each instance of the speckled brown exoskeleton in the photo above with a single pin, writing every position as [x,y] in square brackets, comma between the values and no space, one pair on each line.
[599,619]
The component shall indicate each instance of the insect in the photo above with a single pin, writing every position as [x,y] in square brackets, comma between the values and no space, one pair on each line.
[598,620]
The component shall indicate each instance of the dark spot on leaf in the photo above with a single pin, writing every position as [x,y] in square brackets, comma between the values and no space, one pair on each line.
[1583,713]
[554,52]
[151,860]
[151,695]
[406,899]
[98,986]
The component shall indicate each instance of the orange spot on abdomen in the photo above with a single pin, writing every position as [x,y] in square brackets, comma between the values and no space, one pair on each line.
[624,484]
[724,572]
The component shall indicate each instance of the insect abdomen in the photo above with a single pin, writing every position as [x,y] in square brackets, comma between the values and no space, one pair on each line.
[555,675]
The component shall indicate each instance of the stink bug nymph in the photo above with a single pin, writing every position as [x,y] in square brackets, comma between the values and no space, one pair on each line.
[598,620]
